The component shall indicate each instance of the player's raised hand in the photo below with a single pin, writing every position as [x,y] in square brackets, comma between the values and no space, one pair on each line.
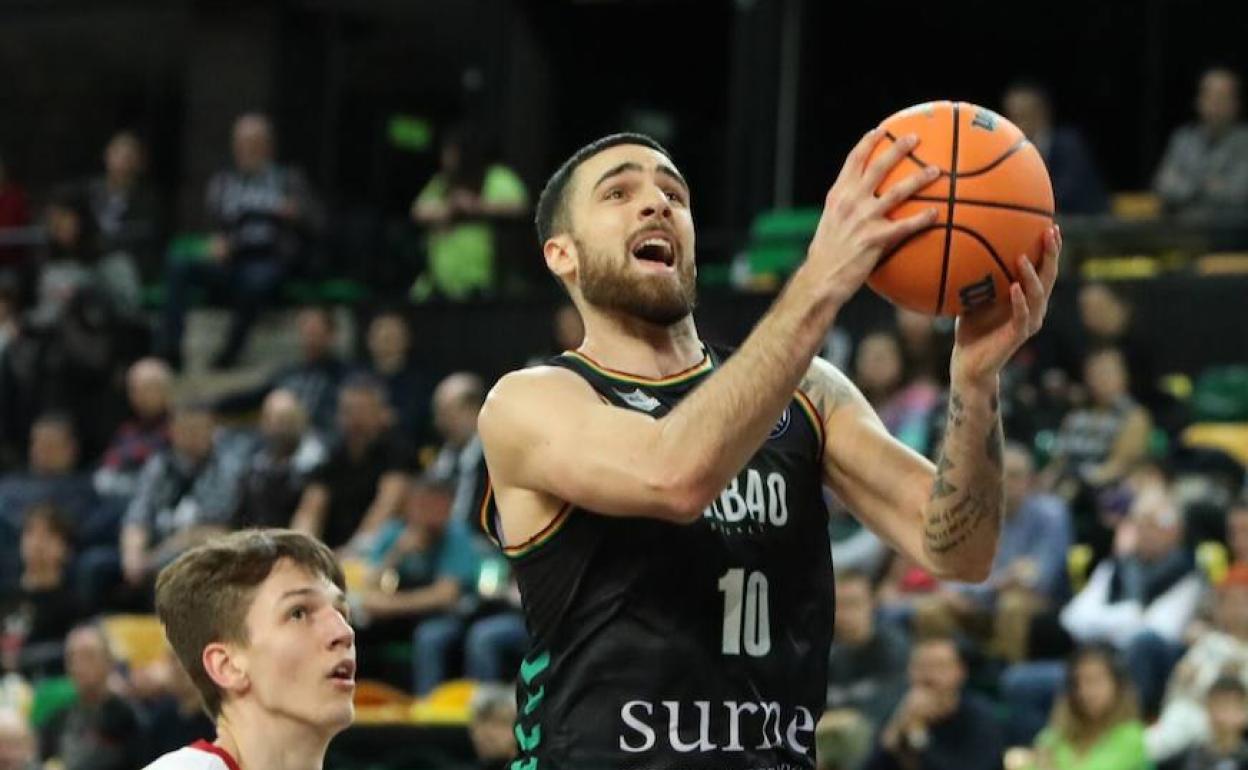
[854,230]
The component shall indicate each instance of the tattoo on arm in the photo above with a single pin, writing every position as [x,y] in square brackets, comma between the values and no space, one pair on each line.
[958,510]
[825,392]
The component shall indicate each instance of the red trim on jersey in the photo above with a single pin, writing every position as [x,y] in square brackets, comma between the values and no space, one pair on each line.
[216,750]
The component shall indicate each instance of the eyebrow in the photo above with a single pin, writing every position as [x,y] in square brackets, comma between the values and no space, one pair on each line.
[628,166]
[336,598]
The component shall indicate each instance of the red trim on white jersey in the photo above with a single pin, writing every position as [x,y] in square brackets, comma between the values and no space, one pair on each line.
[221,753]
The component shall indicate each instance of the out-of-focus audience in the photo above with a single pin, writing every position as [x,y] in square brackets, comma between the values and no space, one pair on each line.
[1204,173]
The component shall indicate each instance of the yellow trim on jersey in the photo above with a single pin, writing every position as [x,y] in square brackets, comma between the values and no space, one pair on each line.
[542,537]
[702,367]
[816,420]
[485,512]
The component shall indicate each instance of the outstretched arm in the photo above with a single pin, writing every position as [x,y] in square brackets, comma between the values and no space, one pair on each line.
[945,517]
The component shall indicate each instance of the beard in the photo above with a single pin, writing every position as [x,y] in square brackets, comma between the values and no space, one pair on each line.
[657,299]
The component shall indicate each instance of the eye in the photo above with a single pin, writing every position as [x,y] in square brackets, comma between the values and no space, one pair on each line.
[298,612]
[614,194]
[675,197]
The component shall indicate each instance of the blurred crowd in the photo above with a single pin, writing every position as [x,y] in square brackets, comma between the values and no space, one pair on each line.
[1112,633]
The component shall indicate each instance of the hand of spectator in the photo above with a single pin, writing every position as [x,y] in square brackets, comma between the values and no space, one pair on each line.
[920,707]
[219,248]
[134,569]
[376,603]
[431,213]
[1021,574]
[985,341]
[465,202]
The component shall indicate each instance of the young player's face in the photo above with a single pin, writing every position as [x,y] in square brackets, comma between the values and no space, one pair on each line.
[300,657]
[633,230]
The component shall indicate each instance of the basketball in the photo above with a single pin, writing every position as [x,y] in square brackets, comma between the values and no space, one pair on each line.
[994,201]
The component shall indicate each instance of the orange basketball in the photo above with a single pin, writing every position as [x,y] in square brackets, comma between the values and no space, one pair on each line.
[994,201]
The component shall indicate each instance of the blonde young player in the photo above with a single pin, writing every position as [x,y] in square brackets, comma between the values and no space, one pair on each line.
[258,619]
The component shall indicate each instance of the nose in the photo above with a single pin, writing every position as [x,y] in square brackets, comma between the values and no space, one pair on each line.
[342,635]
[655,204]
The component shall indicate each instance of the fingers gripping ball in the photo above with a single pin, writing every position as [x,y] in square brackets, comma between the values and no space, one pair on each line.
[994,201]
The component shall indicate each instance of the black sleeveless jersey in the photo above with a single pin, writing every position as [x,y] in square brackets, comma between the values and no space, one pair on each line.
[659,646]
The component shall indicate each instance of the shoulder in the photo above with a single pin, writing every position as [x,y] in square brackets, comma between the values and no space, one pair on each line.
[828,388]
[189,758]
[520,390]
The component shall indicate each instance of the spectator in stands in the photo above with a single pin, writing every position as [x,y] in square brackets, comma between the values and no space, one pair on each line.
[904,403]
[175,715]
[938,725]
[17,742]
[1096,722]
[1184,720]
[1227,706]
[459,207]
[314,379]
[408,385]
[125,207]
[1237,531]
[67,262]
[1029,571]
[14,213]
[456,404]
[1204,172]
[100,730]
[1143,598]
[567,331]
[866,668]
[430,567]
[492,724]
[10,310]
[149,388]
[51,477]
[261,214]
[1077,185]
[1101,442]
[36,615]
[278,473]
[186,494]
[365,480]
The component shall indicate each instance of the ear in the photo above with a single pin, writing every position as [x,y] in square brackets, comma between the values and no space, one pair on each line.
[561,256]
[227,668]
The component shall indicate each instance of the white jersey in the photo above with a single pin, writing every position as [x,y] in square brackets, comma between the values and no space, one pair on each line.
[200,755]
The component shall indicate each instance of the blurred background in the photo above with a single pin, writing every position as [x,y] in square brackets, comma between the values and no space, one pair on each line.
[260,262]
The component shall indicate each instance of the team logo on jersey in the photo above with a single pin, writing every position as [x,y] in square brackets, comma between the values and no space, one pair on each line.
[781,425]
[638,400]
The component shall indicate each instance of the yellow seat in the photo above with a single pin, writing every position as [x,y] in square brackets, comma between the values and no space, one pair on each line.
[1222,263]
[1228,437]
[449,703]
[1078,565]
[1135,204]
[138,640]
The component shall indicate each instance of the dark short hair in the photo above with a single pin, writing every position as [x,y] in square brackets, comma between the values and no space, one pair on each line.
[552,216]
[203,597]
[56,520]
[1227,685]
[60,420]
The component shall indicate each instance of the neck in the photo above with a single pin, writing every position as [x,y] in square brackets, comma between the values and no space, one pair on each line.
[640,348]
[119,183]
[40,578]
[390,364]
[1225,743]
[262,741]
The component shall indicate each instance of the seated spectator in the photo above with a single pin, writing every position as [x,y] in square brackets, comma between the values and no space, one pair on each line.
[1237,531]
[365,480]
[1029,570]
[1096,723]
[18,750]
[175,711]
[903,403]
[456,403]
[1099,443]
[868,659]
[66,265]
[491,728]
[100,730]
[278,473]
[186,494]
[1227,706]
[314,379]
[1184,721]
[50,478]
[1142,598]
[425,569]
[937,725]
[567,331]
[125,207]
[10,310]
[261,214]
[149,388]
[1077,185]
[1204,172]
[408,385]
[459,207]
[36,616]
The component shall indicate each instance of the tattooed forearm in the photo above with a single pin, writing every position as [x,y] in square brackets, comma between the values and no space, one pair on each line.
[964,511]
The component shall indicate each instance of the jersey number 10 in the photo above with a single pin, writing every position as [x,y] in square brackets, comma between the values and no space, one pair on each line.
[746,623]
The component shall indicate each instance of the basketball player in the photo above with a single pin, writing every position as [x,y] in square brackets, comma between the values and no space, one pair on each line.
[258,620]
[661,503]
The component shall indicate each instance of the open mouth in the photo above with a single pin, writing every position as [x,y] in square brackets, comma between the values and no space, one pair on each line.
[655,247]
[343,672]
